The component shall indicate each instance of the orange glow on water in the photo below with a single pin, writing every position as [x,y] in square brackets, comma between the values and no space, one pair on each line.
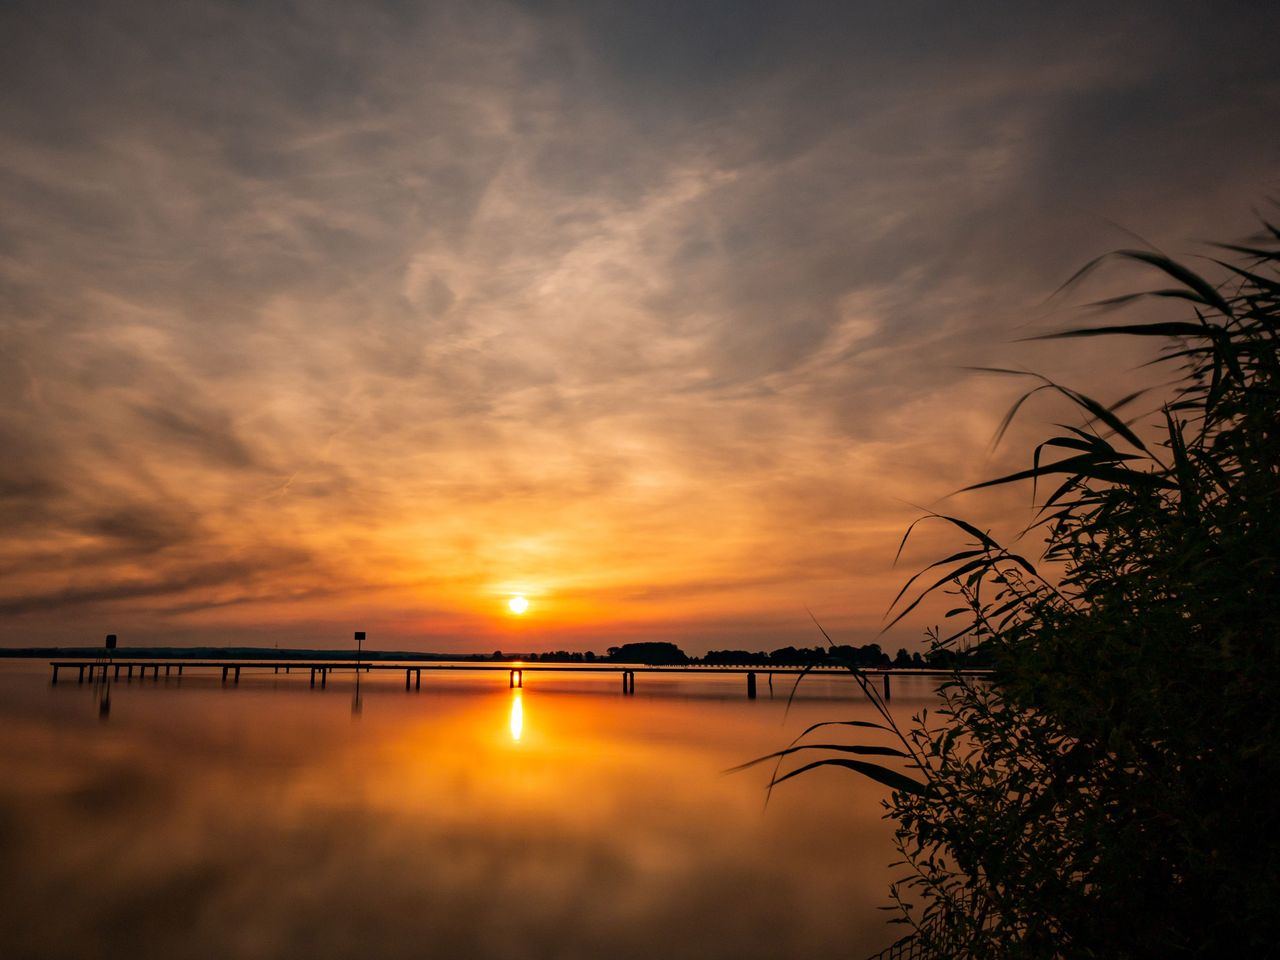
[614,805]
[517,716]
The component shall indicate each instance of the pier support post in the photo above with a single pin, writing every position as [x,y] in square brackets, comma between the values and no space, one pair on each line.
[324,677]
[406,678]
[886,686]
[224,674]
[130,675]
[237,674]
[417,679]
[751,685]
[517,678]
[313,676]
[166,668]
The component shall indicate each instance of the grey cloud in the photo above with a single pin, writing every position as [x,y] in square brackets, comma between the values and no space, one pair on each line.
[208,433]
[257,255]
[183,579]
[144,530]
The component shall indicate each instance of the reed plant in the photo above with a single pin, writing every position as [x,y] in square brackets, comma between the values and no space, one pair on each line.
[1110,790]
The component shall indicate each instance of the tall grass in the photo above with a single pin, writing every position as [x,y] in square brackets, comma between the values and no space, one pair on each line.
[1110,793]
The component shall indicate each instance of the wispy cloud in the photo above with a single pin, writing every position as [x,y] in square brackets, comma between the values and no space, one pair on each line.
[657,315]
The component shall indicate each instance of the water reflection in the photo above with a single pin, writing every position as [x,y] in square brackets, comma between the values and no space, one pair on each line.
[259,821]
[517,716]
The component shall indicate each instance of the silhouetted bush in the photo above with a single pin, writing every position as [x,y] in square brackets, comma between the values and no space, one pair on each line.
[1110,792]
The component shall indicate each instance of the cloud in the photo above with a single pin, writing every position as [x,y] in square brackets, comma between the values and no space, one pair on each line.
[606,300]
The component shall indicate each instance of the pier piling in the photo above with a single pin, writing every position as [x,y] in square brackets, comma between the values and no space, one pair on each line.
[751,685]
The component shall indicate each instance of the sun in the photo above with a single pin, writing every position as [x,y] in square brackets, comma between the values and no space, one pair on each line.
[518,605]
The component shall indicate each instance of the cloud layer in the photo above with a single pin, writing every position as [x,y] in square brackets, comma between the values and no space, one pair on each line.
[333,315]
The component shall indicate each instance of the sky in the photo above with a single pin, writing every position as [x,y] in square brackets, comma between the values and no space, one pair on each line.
[325,316]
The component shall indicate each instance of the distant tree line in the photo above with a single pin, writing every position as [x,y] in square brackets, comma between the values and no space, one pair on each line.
[868,656]
[651,653]
[550,656]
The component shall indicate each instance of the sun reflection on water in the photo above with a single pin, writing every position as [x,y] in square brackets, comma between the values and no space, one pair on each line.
[609,824]
[517,716]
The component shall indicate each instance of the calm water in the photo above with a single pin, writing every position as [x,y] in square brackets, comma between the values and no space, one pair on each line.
[465,820]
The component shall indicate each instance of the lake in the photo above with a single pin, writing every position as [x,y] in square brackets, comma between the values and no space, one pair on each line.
[467,819]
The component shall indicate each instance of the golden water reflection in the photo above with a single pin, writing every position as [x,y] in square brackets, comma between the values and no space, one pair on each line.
[260,821]
[517,716]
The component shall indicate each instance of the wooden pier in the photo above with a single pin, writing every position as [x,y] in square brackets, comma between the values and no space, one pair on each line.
[89,670]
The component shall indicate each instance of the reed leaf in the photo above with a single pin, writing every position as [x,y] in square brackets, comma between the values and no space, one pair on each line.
[890,778]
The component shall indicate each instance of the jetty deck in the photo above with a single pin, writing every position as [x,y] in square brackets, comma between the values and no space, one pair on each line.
[98,669]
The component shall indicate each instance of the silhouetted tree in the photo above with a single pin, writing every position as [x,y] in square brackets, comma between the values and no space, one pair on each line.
[655,653]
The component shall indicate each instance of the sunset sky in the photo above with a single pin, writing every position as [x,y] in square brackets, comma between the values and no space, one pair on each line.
[328,316]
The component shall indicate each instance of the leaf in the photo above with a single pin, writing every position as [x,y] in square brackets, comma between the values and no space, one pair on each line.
[843,723]
[1193,281]
[890,778]
[1085,467]
[1170,328]
[869,751]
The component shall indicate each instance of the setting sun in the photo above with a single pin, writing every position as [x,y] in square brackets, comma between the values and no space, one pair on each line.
[518,605]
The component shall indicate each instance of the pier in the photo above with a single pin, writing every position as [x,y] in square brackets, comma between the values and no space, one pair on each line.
[88,670]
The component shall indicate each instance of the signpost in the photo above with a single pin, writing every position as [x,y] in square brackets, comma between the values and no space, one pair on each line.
[355,700]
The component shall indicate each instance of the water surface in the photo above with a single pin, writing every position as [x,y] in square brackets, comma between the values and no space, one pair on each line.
[463,820]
